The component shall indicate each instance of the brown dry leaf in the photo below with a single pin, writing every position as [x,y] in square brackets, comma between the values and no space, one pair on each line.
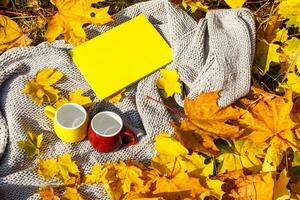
[268,30]
[295,189]
[71,16]
[258,186]
[11,35]
[41,87]
[47,193]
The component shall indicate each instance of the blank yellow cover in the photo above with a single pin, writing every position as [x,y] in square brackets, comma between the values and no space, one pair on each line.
[121,56]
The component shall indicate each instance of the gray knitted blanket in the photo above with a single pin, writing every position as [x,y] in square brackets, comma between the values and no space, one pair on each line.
[214,54]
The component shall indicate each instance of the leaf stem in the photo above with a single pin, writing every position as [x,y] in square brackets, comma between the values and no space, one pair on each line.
[171,174]
[181,115]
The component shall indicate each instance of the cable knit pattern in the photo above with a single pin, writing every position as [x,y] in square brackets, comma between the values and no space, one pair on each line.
[214,54]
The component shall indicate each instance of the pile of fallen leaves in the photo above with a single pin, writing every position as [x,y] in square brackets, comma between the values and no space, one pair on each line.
[248,150]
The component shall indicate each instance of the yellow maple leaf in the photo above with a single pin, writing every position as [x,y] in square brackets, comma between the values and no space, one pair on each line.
[97,174]
[71,16]
[41,87]
[266,54]
[281,35]
[269,121]
[129,175]
[206,118]
[215,189]
[47,168]
[290,9]
[244,155]
[292,82]
[75,97]
[280,187]
[63,167]
[47,193]
[272,159]
[194,165]
[169,82]
[180,186]
[194,5]
[32,145]
[164,140]
[258,186]
[71,193]
[292,52]
[115,98]
[235,3]
[114,185]
[61,102]
[205,113]
[176,159]
[277,122]
[67,168]
[11,35]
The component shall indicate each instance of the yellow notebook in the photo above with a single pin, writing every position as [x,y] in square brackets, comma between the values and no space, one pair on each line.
[121,56]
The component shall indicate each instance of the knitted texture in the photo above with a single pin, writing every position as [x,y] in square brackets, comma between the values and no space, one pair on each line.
[213,54]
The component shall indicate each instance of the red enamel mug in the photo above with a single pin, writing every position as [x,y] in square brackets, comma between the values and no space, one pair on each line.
[106,132]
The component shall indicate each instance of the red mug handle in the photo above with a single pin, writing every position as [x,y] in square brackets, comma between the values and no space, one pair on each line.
[128,138]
